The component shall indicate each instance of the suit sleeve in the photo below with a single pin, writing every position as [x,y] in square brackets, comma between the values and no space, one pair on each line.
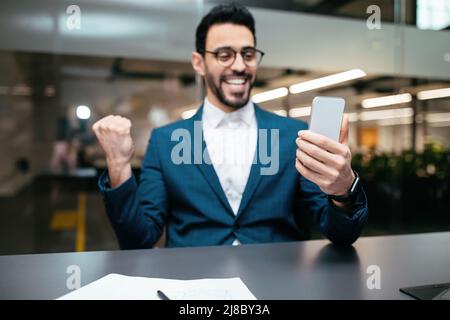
[138,211]
[338,226]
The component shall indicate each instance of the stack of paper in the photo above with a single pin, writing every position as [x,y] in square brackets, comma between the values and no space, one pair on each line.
[120,287]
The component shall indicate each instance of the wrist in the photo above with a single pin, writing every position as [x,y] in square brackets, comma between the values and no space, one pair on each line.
[351,191]
[117,162]
[119,171]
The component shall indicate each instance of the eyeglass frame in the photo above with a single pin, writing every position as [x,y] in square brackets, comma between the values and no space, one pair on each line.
[216,52]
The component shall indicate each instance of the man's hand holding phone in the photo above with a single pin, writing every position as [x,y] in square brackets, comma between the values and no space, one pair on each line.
[321,159]
[326,162]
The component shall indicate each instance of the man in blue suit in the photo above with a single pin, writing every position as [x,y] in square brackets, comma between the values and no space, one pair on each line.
[233,173]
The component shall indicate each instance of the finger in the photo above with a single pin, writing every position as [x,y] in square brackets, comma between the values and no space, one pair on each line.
[107,119]
[317,166]
[343,135]
[115,124]
[322,142]
[307,173]
[95,127]
[318,153]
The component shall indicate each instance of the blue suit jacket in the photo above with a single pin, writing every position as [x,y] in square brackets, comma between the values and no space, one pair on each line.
[189,200]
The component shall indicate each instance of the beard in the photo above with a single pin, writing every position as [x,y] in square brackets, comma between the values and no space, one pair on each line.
[241,99]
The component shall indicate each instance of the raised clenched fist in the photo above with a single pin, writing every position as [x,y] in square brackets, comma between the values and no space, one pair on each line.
[114,135]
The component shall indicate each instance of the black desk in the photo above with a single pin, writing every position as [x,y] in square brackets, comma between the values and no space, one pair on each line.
[295,270]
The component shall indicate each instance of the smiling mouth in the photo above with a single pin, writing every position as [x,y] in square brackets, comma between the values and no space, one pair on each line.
[237,81]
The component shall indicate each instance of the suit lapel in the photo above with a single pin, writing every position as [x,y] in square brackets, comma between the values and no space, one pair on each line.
[206,169]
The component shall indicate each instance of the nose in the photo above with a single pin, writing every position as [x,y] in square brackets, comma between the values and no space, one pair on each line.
[238,64]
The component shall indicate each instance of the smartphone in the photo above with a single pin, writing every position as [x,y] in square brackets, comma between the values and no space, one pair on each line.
[326,116]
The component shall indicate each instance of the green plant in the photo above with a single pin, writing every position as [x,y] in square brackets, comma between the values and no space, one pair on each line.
[433,162]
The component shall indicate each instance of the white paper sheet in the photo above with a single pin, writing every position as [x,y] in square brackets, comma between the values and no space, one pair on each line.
[120,287]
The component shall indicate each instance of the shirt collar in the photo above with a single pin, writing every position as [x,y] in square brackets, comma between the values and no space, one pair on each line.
[214,116]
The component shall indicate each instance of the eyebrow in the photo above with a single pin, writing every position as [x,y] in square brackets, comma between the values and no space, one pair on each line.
[229,47]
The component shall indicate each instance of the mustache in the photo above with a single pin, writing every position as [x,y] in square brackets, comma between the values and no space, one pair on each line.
[245,75]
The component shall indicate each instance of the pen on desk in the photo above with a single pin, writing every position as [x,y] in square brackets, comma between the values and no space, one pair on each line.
[162,295]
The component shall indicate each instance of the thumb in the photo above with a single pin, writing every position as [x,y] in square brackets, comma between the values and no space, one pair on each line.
[343,136]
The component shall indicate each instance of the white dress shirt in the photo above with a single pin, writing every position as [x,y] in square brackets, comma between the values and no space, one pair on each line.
[231,140]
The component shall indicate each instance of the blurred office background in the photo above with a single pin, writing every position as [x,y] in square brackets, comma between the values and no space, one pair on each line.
[132,57]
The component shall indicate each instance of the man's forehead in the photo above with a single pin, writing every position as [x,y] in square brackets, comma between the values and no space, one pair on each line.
[229,35]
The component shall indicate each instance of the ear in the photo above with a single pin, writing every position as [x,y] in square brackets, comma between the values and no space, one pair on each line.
[198,63]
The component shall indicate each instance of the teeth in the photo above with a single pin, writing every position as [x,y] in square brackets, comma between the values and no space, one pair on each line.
[235,81]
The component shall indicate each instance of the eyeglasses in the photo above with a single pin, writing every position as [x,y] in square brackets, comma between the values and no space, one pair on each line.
[226,56]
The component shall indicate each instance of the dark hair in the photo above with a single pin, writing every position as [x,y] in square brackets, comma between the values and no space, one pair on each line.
[234,13]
